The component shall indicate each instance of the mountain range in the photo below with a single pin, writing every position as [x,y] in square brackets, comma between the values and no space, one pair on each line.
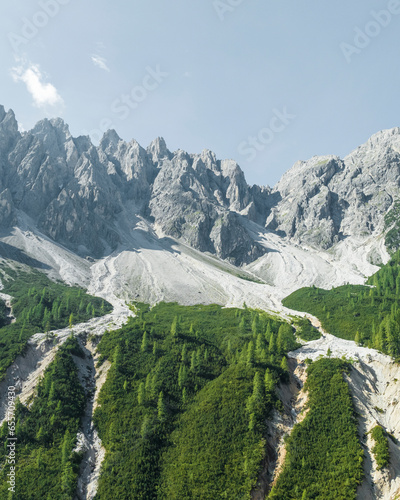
[79,194]
[129,228]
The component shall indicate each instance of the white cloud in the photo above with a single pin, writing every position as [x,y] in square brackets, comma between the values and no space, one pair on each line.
[100,62]
[43,94]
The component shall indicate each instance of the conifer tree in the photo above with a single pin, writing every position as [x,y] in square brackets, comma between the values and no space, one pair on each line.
[145,342]
[161,408]
[272,346]
[184,354]
[284,364]
[250,354]
[175,330]
[141,393]
[269,381]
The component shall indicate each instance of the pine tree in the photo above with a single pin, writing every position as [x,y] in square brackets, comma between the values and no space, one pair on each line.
[118,357]
[161,408]
[68,479]
[148,383]
[52,392]
[145,342]
[269,381]
[184,354]
[268,332]
[182,376]
[250,354]
[175,330]
[198,359]
[258,389]
[255,324]
[141,393]
[155,348]
[193,362]
[259,344]
[272,346]
[252,421]
[284,364]
[65,448]
[146,427]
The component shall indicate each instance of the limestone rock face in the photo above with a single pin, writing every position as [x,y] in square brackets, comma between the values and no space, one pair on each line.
[76,192]
[82,196]
[326,199]
[8,216]
[199,199]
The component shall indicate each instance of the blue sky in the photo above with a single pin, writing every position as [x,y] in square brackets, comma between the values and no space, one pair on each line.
[266,83]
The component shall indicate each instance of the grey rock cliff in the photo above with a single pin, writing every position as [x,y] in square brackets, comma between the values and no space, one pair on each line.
[77,193]
[326,199]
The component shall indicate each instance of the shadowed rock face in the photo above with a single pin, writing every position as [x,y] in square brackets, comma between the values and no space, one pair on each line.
[77,193]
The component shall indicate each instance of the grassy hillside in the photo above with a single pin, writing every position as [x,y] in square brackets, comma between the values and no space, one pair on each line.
[40,305]
[324,457]
[46,467]
[182,413]
[368,314]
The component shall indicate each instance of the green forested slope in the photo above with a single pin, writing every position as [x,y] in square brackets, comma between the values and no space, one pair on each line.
[46,468]
[368,314]
[324,457]
[182,413]
[40,305]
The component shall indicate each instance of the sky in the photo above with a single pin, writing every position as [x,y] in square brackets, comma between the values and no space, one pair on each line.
[264,82]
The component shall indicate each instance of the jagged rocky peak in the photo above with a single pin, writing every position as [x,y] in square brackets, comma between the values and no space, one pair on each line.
[2,113]
[8,120]
[158,150]
[77,193]
[109,142]
[8,130]
[326,199]
[306,174]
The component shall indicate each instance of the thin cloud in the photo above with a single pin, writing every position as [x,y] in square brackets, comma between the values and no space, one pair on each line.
[100,62]
[43,94]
